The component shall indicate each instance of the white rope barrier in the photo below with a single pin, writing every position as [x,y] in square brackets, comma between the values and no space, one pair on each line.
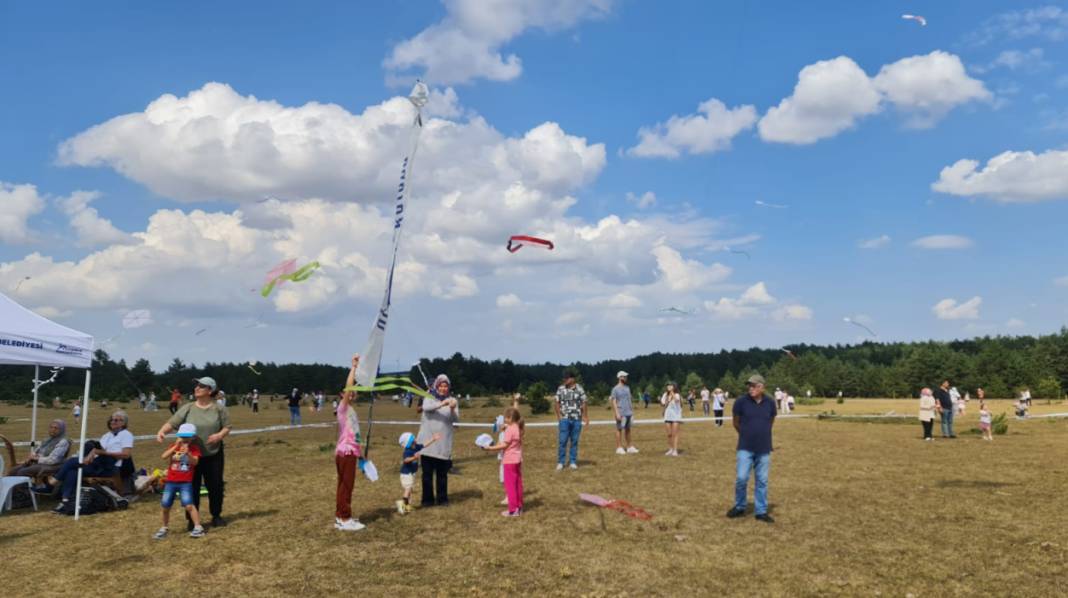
[600,422]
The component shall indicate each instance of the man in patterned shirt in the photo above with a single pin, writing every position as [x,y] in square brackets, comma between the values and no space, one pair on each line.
[570,409]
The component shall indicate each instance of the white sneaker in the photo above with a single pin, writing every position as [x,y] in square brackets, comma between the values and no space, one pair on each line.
[559,467]
[573,466]
[400,506]
[350,525]
[668,453]
[632,450]
[620,451]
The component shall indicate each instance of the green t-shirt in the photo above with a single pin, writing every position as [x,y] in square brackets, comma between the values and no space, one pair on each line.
[208,421]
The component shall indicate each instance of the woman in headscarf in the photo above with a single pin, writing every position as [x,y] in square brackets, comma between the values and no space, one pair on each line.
[46,459]
[440,412]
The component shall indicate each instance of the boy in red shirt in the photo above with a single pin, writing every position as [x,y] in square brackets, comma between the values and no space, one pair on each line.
[183,456]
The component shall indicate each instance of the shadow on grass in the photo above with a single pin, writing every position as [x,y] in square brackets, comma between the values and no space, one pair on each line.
[972,484]
[251,515]
[387,513]
[6,538]
[132,558]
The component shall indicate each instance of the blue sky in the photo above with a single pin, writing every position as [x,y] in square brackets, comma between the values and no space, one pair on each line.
[881,107]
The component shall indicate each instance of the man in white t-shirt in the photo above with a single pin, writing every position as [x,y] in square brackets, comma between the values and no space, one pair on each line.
[719,402]
[705,400]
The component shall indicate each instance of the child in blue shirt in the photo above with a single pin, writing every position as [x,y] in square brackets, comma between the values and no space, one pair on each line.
[409,467]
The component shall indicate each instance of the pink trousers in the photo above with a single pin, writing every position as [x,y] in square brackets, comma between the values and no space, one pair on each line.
[513,486]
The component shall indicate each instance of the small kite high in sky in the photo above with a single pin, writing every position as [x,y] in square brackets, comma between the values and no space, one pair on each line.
[20,283]
[517,241]
[136,318]
[790,353]
[765,204]
[200,332]
[679,311]
[849,320]
[738,251]
[251,365]
[922,21]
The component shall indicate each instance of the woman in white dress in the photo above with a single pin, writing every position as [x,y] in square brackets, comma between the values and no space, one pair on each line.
[671,400]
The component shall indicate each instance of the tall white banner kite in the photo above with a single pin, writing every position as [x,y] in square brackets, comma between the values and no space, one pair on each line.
[367,371]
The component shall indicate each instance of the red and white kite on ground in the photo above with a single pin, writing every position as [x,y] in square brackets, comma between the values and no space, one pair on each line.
[516,241]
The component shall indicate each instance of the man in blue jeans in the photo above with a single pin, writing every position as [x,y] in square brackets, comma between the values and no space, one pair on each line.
[754,414]
[294,407]
[945,407]
[570,409]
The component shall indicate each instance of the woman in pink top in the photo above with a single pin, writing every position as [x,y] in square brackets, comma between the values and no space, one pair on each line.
[512,445]
[347,454]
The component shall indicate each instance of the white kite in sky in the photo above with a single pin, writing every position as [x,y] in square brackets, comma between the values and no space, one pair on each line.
[136,318]
[922,21]
[849,320]
[765,204]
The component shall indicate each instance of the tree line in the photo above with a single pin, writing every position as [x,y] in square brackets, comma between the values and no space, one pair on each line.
[1001,365]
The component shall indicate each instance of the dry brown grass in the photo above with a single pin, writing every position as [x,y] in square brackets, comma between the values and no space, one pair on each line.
[860,508]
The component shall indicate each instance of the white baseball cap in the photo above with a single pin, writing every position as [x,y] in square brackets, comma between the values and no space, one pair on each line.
[187,431]
[621,374]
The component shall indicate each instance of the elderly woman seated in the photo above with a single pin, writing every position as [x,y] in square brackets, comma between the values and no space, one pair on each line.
[46,459]
[101,458]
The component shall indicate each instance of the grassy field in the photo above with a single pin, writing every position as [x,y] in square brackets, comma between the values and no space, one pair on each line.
[860,508]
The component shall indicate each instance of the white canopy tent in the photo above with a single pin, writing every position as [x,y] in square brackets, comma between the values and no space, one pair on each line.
[30,339]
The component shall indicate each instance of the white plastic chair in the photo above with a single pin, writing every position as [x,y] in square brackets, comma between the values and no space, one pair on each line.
[7,484]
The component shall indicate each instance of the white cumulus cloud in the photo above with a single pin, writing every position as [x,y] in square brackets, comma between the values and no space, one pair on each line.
[949,309]
[17,204]
[829,97]
[215,143]
[943,242]
[467,43]
[927,87]
[87,223]
[1010,177]
[711,129]
[508,300]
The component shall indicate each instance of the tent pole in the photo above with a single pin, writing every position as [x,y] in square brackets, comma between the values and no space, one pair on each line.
[81,444]
[33,418]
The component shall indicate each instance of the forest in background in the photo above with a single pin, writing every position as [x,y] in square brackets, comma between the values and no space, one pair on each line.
[1000,365]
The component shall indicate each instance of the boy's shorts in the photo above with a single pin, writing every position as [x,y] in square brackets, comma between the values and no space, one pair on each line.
[185,491]
[407,481]
[623,423]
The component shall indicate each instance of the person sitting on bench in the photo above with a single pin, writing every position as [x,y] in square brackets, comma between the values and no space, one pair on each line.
[100,459]
[46,459]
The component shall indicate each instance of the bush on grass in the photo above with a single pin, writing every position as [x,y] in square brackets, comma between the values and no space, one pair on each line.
[1000,424]
[807,401]
[536,395]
